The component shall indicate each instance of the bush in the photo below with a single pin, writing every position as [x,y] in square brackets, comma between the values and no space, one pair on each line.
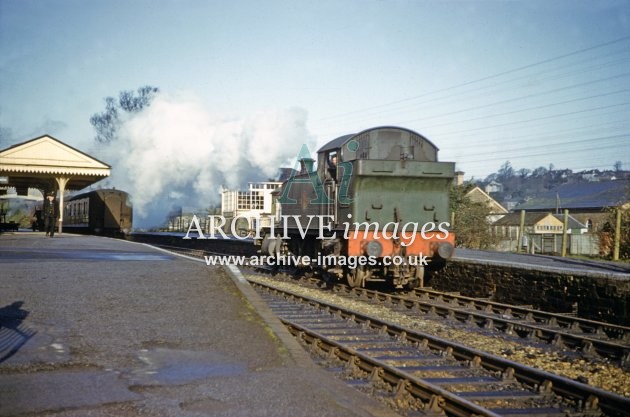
[470,220]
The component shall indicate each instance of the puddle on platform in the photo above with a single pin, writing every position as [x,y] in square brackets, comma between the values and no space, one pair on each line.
[177,367]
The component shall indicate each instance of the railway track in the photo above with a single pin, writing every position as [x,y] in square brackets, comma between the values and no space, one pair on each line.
[589,337]
[433,375]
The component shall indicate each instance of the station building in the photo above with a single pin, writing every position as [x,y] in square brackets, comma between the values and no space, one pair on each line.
[44,165]
[542,234]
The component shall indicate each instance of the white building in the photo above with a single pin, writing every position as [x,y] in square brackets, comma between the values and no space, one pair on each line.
[248,207]
[494,187]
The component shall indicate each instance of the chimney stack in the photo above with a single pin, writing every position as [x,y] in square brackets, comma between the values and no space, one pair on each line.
[459,177]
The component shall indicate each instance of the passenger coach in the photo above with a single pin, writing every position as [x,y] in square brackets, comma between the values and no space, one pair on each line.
[101,212]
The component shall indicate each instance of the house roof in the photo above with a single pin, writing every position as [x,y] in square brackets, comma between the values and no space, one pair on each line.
[573,223]
[581,195]
[478,195]
[531,219]
[514,219]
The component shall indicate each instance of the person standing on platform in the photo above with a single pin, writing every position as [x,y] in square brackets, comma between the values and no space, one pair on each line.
[51,214]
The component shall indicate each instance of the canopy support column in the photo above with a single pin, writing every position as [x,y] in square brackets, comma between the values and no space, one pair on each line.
[61,184]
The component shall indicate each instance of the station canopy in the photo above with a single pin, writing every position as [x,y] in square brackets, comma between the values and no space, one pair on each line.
[47,164]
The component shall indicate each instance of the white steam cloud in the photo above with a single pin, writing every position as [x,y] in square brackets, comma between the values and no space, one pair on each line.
[175,153]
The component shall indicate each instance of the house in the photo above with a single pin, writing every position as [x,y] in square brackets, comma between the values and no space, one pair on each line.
[542,232]
[477,195]
[574,227]
[591,175]
[494,187]
[535,223]
[587,202]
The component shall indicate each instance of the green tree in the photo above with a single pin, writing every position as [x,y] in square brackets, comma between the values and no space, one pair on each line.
[470,220]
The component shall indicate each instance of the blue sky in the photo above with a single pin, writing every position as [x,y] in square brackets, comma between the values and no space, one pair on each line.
[532,82]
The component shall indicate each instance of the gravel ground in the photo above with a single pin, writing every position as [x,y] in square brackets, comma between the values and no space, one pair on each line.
[601,374]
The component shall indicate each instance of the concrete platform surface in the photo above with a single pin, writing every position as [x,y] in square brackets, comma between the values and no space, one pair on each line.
[94,326]
[595,268]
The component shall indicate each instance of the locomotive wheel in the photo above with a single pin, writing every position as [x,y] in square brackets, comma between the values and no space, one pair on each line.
[418,280]
[356,276]
[271,246]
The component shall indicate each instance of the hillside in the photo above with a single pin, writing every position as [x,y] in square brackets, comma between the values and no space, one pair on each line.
[527,188]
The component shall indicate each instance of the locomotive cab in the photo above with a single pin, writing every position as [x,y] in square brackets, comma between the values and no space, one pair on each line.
[393,196]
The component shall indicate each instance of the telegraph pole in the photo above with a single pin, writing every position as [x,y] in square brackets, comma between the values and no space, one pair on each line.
[521,231]
[617,234]
[564,233]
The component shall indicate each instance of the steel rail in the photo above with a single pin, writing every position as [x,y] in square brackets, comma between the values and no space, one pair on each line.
[434,397]
[490,319]
[590,397]
[527,313]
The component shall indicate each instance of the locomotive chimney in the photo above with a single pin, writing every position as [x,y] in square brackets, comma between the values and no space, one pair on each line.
[306,165]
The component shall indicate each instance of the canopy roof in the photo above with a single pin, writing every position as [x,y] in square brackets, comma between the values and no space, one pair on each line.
[38,162]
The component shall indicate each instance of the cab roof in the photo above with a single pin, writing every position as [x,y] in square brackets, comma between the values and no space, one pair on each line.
[341,140]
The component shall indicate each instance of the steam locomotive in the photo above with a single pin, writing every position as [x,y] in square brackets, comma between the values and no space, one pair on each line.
[374,208]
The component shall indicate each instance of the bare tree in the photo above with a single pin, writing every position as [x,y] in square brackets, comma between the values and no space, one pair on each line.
[524,172]
[539,172]
[506,171]
[131,103]
[107,123]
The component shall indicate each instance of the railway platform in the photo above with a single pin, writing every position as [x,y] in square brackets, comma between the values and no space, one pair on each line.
[545,263]
[94,326]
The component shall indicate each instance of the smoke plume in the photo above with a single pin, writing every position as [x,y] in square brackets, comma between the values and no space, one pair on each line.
[175,153]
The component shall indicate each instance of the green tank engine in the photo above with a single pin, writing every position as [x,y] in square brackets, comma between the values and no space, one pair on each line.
[374,208]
